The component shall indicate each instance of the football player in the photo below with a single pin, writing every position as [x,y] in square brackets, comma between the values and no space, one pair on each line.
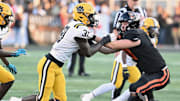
[6,78]
[155,73]
[147,25]
[74,35]
[150,26]
[117,77]
[122,60]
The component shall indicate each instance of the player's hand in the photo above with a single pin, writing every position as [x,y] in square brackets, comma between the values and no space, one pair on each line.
[106,39]
[12,68]
[19,52]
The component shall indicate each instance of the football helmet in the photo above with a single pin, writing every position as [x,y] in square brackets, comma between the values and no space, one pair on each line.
[6,14]
[151,26]
[85,13]
[6,17]
[131,17]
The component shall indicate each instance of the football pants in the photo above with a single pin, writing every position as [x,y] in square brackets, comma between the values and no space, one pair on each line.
[5,76]
[51,78]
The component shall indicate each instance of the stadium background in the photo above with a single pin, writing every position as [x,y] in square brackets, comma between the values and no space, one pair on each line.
[40,24]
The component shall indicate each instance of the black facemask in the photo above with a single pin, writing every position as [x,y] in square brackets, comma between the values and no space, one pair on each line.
[153,31]
[93,21]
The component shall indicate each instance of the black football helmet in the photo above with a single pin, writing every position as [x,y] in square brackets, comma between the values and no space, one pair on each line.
[130,17]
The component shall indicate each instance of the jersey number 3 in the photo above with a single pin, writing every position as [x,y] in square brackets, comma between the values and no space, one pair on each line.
[63,33]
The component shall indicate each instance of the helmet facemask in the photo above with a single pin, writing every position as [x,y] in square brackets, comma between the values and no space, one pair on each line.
[151,27]
[94,20]
[6,18]
[129,17]
[153,31]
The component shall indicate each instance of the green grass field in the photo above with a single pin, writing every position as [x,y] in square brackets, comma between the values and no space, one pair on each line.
[99,66]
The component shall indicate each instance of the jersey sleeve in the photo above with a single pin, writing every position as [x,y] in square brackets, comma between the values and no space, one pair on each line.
[132,35]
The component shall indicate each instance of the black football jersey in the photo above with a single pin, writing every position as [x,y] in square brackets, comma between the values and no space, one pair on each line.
[149,59]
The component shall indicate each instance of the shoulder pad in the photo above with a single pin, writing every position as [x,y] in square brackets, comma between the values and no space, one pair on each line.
[132,31]
[132,34]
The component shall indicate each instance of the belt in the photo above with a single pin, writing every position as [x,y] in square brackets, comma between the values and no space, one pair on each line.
[50,57]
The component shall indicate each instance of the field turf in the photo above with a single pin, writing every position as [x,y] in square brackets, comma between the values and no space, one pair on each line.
[99,67]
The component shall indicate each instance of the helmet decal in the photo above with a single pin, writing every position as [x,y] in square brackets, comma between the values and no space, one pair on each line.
[80,9]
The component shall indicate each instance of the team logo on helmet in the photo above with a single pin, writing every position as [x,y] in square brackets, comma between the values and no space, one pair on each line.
[80,9]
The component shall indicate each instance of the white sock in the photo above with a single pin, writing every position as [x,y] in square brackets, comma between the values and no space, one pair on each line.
[103,89]
[124,96]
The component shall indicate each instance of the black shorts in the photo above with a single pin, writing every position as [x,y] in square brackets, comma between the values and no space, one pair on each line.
[154,81]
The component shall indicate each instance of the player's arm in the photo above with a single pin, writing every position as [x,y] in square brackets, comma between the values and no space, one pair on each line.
[4,53]
[131,39]
[11,67]
[11,54]
[86,49]
[106,50]
[123,44]
[103,49]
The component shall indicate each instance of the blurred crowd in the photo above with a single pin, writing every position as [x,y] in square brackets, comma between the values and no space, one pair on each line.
[62,9]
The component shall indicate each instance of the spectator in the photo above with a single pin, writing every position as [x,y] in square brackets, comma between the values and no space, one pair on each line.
[64,15]
[162,23]
[113,15]
[47,7]
[39,11]
[149,12]
[55,8]
[175,27]
[17,27]
[104,20]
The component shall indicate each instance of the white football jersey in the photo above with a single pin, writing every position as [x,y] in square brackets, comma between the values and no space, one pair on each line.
[66,44]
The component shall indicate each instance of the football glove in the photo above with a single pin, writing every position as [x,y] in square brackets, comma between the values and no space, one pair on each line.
[106,39]
[19,52]
[12,68]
